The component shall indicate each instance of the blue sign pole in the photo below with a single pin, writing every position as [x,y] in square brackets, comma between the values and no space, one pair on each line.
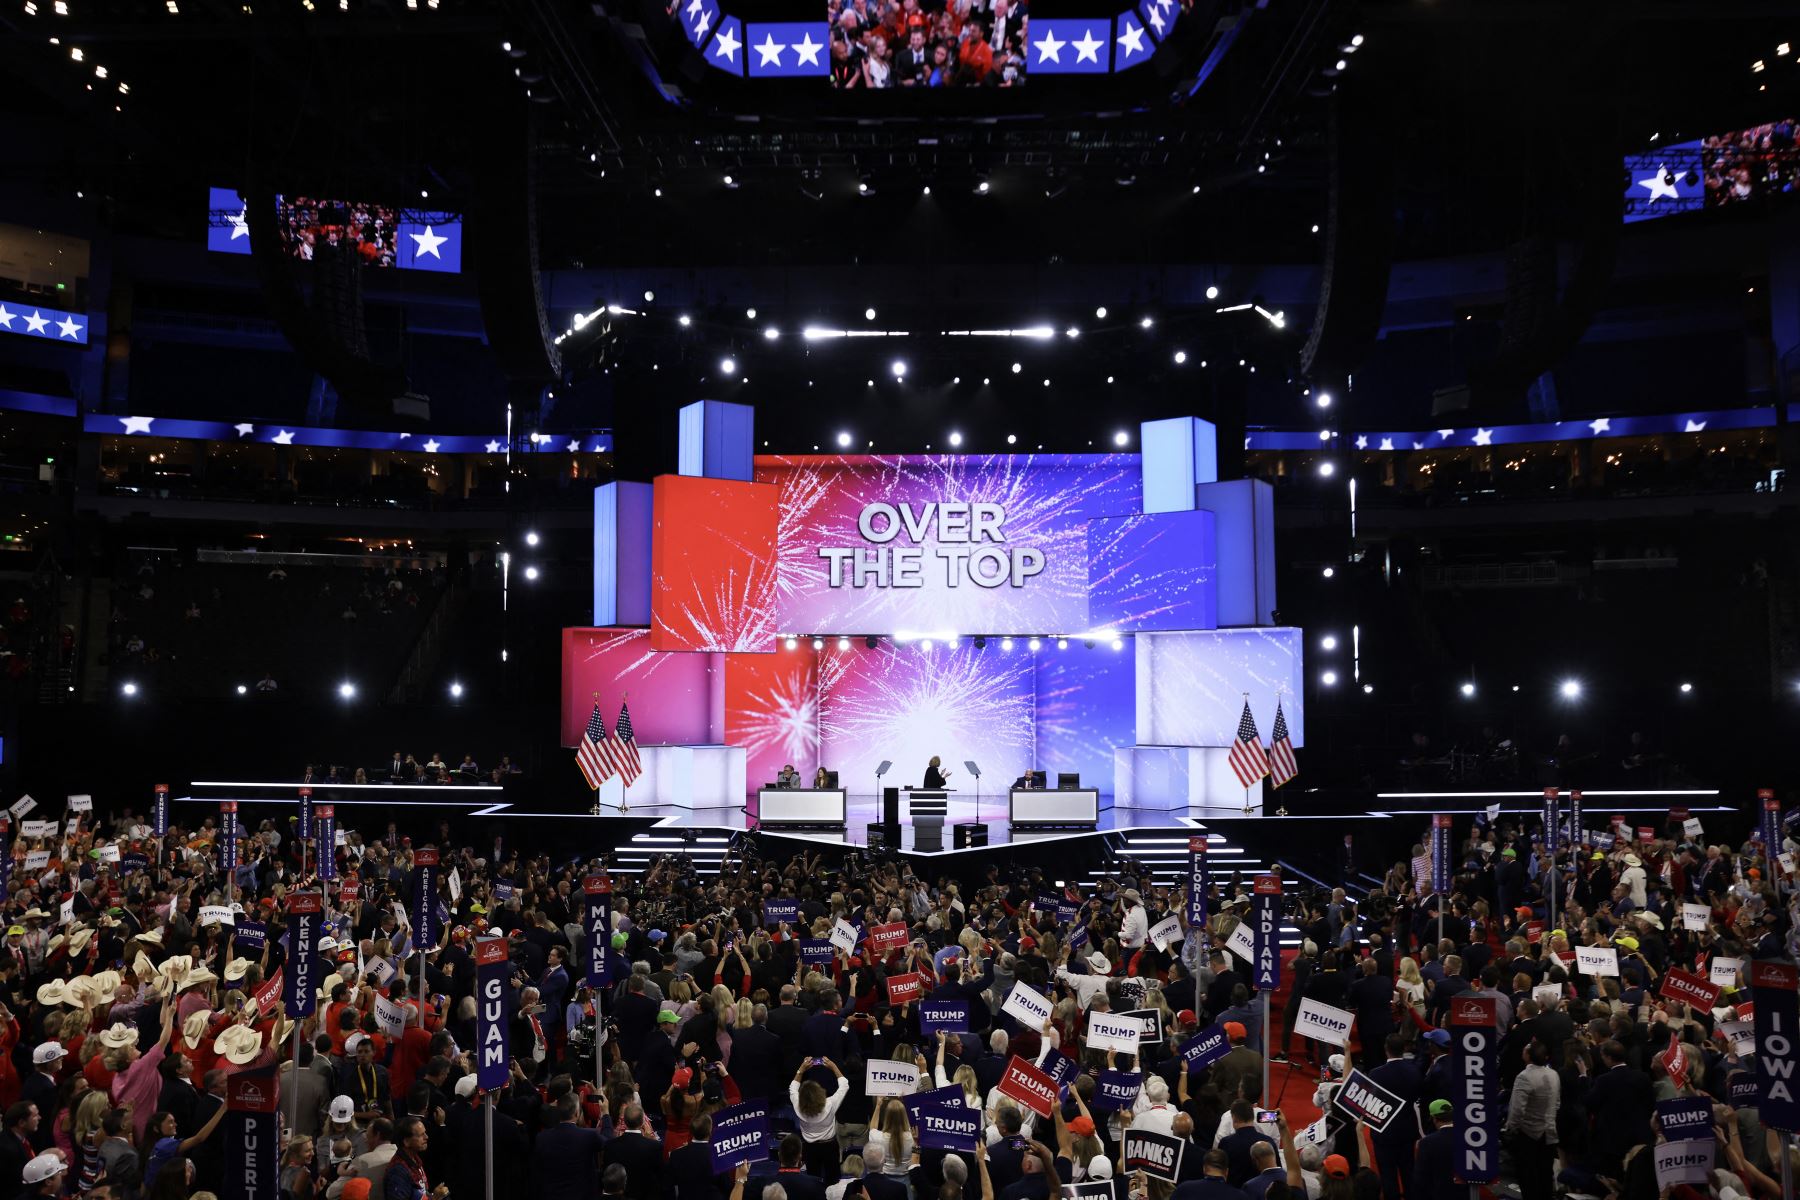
[1198,884]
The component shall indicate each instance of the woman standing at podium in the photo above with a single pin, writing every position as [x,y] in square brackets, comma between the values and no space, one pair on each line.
[935,779]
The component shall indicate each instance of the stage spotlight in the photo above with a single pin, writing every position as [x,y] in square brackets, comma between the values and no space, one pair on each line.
[730,182]
[843,643]
[531,537]
[750,313]
[1329,679]
[242,690]
[1368,689]
[1121,438]
[1327,469]
[818,643]
[844,438]
[128,689]
[1100,313]
[1686,688]
[1062,643]
[1109,379]
[684,320]
[771,333]
[791,643]
[1146,323]
[1017,367]
[1515,687]
[899,368]
[1328,642]
[1468,689]
[870,641]
[925,644]
[1118,643]
[1328,572]
[456,691]
[1034,645]
[728,366]
[1180,357]
[1324,400]
[347,690]
[531,573]
[955,438]
[982,185]
[1212,293]
[1006,643]
[649,297]
[1570,689]
[1012,438]
[985,381]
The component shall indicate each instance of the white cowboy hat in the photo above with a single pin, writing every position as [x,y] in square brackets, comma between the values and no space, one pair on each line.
[194,1027]
[1632,860]
[153,936]
[238,1043]
[198,975]
[119,1036]
[78,941]
[53,993]
[106,986]
[236,969]
[81,989]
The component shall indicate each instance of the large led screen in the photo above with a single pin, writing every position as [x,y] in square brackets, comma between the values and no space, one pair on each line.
[382,235]
[977,544]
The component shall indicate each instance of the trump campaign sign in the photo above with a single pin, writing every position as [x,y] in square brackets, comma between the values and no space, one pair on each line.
[740,1135]
[1323,1023]
[1029,1086]
[492,1057]
[1206,1047]
[1475,1088]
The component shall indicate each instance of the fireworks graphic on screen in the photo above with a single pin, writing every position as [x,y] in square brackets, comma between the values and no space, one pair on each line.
[1048,500]
[1200,680]
[778,721]
[907,703]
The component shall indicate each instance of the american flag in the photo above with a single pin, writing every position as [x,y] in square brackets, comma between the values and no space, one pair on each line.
[624,748]
[1248,758]
[1282,766]
[592,754]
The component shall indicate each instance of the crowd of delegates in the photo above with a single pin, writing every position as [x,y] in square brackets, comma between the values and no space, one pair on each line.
[909,44]
[408,768]
[131,972]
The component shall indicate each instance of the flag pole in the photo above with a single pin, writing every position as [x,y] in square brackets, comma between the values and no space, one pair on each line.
[624,699]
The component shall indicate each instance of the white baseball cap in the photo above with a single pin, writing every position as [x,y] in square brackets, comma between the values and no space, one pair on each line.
[465,1087]
[47,1052]
[343,1108]
[354,1041]
[43,1167]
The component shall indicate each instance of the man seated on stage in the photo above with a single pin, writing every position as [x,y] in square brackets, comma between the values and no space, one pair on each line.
[935,777]
[788,777]
[1025,782]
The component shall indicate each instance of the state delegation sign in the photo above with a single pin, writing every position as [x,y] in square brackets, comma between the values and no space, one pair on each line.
[1475,1092]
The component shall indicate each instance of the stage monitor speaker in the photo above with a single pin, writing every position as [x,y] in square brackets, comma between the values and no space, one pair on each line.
[890,815]
[970,834]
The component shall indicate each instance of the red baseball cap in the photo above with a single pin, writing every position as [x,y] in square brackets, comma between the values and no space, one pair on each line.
[1186,1017]
[1337,1166]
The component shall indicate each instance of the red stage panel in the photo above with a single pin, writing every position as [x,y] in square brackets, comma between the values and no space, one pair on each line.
[674,697]
[713,565]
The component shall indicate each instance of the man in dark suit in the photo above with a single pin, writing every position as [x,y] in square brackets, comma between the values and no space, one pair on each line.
[1236,1144]
[824,1035]
[1434,1162]
[40,1089]
[1006,1157]
[1454,984]
[1619,1102]
[756,1054]
[1372,997]
[22,1120]
[1218,993]
[791,1174]
[690,1167]
[786,1021]
[656,1065]
[991,1066]
[566,1156]
[1394,1149]
[635,1014]
[639,1153]
[876,1184]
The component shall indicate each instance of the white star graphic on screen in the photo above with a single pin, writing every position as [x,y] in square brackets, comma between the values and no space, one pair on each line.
[770,50]
[283,438]
[431,445]
[1049,49]
[404,436]
[239,227]
[1088,48]
[1132,39]
[1362,441]
[7,318]
[428,243]
[1156,21]
[35,322]
[1386,444]
[1418,445]
[136,424]
[69,327]
[808,50]
[574,445]
[694,7]
[726,46]
[493,447]
[1484,437]
[1445,433]
[1660,184]
[701,24]
[1694,426]
[1603,425]
[244,429]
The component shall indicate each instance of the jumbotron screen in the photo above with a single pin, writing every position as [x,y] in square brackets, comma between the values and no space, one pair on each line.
[382,235]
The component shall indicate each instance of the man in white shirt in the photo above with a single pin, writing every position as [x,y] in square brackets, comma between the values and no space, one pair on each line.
[1134,929]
